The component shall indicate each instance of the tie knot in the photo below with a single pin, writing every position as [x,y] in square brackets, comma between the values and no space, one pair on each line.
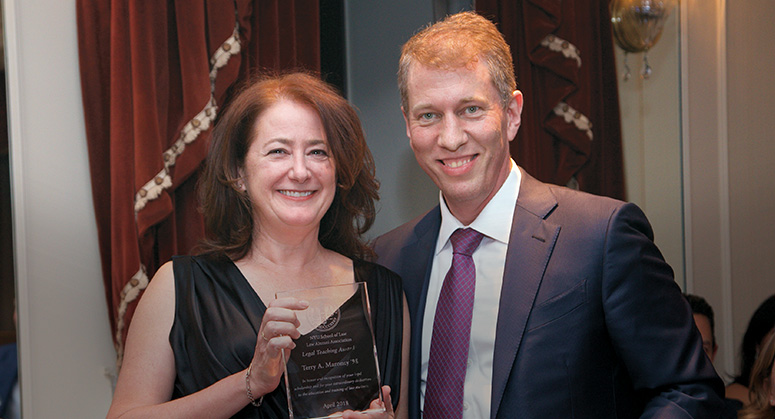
[465,241]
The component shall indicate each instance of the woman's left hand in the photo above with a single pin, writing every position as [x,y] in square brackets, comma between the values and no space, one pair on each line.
[375,404]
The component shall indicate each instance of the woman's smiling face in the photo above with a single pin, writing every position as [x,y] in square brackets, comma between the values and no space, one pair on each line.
[289,172]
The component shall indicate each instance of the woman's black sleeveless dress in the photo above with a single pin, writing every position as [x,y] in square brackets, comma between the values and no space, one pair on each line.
[217,317]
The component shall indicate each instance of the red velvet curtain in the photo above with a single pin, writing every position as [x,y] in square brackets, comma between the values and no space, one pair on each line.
[154,75]
[565,67]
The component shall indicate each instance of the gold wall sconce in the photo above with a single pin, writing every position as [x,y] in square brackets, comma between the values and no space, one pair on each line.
[637,26]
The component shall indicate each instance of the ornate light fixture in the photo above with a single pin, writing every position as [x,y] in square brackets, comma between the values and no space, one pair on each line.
[637,26]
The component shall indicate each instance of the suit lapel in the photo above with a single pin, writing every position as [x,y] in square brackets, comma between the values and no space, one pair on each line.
[416,258]
[531,242]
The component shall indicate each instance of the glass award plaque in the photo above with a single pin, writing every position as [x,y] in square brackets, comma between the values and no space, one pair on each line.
[334,365]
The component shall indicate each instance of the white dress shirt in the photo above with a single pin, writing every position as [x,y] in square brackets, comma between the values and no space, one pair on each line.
[494,222]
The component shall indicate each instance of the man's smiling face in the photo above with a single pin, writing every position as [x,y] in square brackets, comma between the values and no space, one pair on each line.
[460,133]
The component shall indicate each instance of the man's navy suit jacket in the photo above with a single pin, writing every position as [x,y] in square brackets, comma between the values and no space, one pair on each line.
[8,374]
[591,323]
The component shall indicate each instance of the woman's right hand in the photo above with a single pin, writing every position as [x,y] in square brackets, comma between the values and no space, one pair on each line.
[279,328]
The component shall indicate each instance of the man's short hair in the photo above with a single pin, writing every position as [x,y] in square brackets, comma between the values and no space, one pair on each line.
[460,40]
[700,306]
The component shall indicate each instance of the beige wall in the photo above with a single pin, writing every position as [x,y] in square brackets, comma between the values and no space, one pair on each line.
[730,204]
[751,148]
[721,88]
[64,334]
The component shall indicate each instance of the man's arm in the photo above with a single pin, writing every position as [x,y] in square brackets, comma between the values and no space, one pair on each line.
[651,325]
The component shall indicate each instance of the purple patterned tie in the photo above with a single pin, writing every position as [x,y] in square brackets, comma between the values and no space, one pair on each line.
[452,331]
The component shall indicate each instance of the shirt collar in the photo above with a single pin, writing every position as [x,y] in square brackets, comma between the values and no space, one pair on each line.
[493,219]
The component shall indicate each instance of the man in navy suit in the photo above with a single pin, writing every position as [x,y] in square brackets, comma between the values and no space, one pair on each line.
[575,314]
[9,378]
[9,381]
